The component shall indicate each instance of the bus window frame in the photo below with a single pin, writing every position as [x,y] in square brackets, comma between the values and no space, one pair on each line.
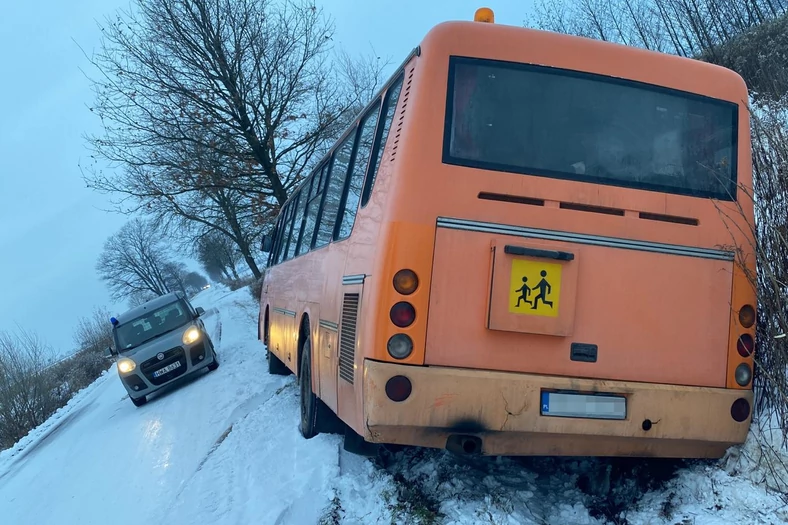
[381,101]
[374,167]
[305,190]
[359,127]
[446,157]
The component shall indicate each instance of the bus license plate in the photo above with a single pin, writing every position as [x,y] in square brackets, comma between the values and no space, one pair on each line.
[169,368]
[600,406]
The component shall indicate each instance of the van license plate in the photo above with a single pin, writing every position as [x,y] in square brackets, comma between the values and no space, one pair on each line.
[168,368]
[601,406]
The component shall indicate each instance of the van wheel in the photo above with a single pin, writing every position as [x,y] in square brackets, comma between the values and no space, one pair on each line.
[213,366]
[276,366]
[139,401]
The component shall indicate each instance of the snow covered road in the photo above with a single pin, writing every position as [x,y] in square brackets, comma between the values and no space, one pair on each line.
[163,463]
[224,449]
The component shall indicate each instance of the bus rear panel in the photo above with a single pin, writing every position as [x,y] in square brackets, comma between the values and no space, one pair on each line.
[572,234]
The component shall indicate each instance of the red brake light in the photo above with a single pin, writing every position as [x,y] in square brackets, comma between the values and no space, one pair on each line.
[745,345]
[740,410]
[402,314]
[398,388]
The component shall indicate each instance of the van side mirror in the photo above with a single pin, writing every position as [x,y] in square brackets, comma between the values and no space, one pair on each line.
[266,243]
[109,352]
[200,311]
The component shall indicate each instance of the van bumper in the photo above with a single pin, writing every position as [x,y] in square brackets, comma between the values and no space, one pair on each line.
[503,410]
[144,382]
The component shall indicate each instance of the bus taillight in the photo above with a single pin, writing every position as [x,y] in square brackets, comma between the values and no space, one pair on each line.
[406,282]
[745,345]
[398,388]
[402,314]
[743,374]
[400,346]
[740,410]
[747,316]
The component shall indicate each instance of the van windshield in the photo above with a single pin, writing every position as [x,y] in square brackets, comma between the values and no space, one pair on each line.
[151,325]
[551,122]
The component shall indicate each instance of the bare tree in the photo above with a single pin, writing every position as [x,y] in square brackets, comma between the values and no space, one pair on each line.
[28,392]
[94,333]
[750,37]
[134,262]
[175,276]
[214,108]
[194,282]
[218,256]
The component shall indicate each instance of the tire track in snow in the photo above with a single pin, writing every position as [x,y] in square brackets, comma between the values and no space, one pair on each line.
[263,471]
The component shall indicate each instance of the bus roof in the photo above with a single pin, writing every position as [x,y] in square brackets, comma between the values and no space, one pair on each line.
[548,48]
[552,49]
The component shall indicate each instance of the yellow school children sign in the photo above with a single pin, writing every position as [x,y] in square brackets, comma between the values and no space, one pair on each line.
[535,288]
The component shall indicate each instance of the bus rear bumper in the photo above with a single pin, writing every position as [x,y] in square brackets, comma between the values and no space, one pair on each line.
[500,413]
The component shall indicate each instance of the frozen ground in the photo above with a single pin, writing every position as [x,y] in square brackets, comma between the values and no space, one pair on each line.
[225,449]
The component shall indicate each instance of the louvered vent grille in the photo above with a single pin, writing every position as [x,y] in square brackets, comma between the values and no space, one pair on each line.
[347,337]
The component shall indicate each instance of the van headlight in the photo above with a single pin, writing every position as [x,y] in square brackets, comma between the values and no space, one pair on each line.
[191,335]
[126,365]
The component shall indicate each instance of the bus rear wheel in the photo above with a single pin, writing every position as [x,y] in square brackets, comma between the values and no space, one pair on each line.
[316,416]
[309,405]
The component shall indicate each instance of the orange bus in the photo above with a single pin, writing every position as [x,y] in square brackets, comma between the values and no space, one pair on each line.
[528,243]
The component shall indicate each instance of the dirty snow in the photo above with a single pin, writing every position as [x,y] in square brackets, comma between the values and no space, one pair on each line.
[224,449]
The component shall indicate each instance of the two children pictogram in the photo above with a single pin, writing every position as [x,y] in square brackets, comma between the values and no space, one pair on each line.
[542,286]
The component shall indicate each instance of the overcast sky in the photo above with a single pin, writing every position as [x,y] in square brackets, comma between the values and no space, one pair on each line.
[52,227]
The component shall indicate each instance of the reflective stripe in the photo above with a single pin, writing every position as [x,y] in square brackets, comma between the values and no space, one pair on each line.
[353,279]
[284,312]
[581,238]
[328,325]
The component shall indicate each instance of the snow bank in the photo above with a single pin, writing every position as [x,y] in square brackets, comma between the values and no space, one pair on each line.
[60,417]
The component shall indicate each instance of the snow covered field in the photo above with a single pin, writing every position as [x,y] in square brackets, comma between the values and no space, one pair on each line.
[225,449]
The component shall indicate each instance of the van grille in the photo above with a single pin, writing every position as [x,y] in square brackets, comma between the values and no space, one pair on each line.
[347,337]
[170,356]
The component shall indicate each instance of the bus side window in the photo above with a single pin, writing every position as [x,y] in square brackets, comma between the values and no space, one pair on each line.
[276,233]
[312,207]
[282,241]
[298,223]
[336,185]
[382,134]
[289,228]
[358,170]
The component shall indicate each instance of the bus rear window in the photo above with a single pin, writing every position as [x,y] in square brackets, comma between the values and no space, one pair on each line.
[551,122]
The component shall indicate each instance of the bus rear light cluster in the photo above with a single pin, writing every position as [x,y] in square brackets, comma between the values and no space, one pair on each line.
[402,314]
[743,374]
[740,410]
[398,388]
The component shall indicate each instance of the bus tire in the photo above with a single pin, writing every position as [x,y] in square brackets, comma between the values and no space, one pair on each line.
[309,403]
[276,366]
